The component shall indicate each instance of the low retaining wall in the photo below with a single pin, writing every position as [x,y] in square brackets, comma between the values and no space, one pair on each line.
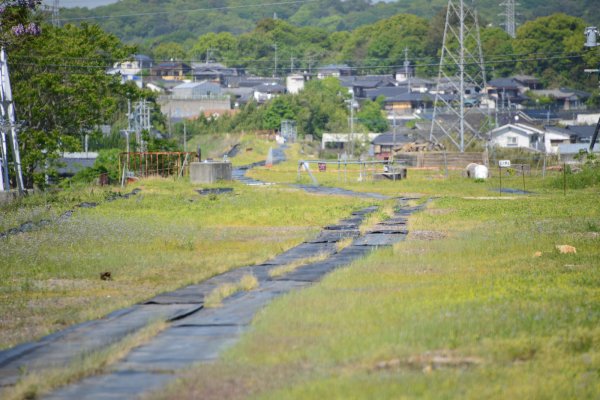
[210,172]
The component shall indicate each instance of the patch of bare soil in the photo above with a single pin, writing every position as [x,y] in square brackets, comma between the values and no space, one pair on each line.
[426,235]
[430,361]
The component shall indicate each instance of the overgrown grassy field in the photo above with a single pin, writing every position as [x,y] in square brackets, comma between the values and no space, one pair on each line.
[251,148]
[476,304]
[429,182]
[164,238]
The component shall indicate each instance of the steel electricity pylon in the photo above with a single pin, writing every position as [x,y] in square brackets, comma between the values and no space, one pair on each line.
[509,15]
[461,70]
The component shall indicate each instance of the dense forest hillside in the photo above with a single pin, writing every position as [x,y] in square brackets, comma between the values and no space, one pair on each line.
[153,21]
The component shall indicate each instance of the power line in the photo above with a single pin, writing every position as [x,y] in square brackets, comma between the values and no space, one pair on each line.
[281,3]
[267,60]
[358,65]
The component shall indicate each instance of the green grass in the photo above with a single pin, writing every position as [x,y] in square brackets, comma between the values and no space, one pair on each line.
[225,290]
[251,148]
[430,182]
[511,325]
[292,266]
[48,205]
[34,385]
[164,238]
[469,314]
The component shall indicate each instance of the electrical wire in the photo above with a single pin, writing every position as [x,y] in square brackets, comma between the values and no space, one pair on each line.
[490,59]
[38,66]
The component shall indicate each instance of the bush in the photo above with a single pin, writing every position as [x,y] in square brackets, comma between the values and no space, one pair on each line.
[106,163]
[586,174]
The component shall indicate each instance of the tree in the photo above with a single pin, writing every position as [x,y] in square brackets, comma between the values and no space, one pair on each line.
[214,46]
[381,45]
[168,51]
[497,48]
[372,116]
[62,91]
[550,46]
[278,109]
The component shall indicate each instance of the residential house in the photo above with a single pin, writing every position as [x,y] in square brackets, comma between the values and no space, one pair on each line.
[334,70]
[546,116]
[564,98]
[408,103]
[555,136]
[266,92]
[360,85]
[518,136]
[386,92]
[196,90]
[506,92]
[214,72]
[420,85]
[405,74]
[251,81]
[190,100]
[131,70]
[531,82]
[387,143]
[172,71]
[240,95]
[582,134]
[294,83]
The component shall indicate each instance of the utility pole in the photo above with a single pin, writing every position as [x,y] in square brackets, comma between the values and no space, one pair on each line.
[291,64]
[184,137]
[394,134]
[275,61]
[10,125]
[351,137]
[406,70]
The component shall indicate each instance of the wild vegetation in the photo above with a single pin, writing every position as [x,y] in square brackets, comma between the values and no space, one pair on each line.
[63,93]
[478,302]
[182,21]
[165,237]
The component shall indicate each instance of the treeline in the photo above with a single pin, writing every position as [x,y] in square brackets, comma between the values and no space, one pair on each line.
[148,22]
[550,48]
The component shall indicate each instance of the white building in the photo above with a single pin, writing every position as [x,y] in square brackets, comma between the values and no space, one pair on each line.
[295,83]
[554,137]
[518,136]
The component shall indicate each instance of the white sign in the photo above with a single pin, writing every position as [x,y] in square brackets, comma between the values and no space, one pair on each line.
[504,163]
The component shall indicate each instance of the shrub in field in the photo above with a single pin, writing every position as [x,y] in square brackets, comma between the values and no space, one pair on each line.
[586,175]
[106,163]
